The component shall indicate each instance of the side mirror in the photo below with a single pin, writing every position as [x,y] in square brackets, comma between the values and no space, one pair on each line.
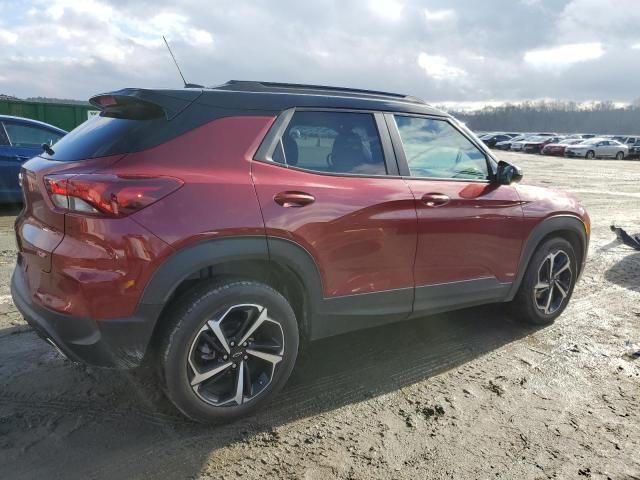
[507,173]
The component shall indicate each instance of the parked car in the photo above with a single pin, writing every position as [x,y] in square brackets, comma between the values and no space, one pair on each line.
[20,139]
[209,244]
[584,136]
[598,147]
[627,140]
[506,144]
[557,149]
[634,150]
[519,145]
[491,140]
[537,143]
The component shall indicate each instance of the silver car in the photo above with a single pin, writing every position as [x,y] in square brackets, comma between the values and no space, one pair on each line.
[598,147]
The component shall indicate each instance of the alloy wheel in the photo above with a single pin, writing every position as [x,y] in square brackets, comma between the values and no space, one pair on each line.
[233,357]
[554,282]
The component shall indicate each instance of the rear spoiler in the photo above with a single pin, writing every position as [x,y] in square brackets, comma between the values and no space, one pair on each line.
[143,104]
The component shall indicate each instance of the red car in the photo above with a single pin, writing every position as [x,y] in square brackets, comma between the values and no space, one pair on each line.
[557,149]
[210,231]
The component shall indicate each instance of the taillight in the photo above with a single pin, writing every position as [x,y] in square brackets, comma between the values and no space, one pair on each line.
[109,195]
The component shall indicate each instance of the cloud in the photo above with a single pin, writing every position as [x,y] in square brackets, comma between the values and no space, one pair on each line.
[7,37]
[563,56]
[388,9]
[441,51]
[439,15]
[439,68]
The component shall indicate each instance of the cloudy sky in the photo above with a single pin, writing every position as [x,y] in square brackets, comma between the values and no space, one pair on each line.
[466,52]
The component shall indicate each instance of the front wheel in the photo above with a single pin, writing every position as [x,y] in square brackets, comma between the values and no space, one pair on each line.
[620,156]
[548,283]
[229,349]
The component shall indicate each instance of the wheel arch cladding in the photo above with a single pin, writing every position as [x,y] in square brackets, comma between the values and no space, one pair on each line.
[568,227]
[281,264]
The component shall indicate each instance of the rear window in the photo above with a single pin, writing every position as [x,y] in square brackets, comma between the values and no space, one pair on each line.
[101,136]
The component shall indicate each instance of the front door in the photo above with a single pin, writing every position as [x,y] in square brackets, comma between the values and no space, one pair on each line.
[331,186]
[469,229]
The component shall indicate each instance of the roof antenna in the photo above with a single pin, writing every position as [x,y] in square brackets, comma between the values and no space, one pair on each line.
[186,85]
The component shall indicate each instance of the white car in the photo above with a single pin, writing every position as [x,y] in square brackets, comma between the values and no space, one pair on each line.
[518,146]
[598,147]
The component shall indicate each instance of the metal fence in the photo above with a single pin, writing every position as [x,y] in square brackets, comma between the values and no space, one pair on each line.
[62,115]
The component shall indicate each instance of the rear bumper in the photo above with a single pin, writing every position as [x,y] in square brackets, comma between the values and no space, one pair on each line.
[118,342]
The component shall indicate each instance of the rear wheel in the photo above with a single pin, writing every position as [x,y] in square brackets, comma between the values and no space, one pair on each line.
[230,348]
[620,156]
[590,155]
[548,283]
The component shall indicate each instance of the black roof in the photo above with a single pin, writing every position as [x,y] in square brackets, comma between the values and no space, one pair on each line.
[270,97]
[256,95]
[299,88]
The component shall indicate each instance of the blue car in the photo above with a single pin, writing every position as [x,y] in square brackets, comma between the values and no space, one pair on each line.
[20,139]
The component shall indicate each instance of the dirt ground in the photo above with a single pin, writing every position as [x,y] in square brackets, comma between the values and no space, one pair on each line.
[472,394]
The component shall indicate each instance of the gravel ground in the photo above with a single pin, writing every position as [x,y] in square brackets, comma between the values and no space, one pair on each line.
[472,394]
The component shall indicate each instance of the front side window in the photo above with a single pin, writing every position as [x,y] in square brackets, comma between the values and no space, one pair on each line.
[435,149]
[28,136]
[333,142]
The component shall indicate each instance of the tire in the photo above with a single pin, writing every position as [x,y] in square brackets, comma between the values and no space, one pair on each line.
[620,156]
[200,339]
[590,155]
[532,297]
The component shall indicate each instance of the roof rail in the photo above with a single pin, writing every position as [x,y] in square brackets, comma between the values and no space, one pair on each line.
[252,85]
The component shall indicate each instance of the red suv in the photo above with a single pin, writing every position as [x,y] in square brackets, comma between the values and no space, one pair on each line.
[211,230]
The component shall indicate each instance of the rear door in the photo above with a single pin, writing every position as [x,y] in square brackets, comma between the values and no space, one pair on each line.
[469,228]
[330,184]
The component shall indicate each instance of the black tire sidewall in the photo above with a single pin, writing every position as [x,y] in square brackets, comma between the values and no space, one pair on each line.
[524,302]
[190,314]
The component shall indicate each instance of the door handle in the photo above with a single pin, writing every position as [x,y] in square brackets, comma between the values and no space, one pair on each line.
[293,199]
[21,158]
[435,199]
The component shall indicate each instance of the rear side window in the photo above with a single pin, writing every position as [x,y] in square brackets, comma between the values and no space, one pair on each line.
[20,135]
[435,149]
[332,142]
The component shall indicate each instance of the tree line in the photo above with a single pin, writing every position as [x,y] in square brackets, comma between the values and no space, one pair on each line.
[556,116]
